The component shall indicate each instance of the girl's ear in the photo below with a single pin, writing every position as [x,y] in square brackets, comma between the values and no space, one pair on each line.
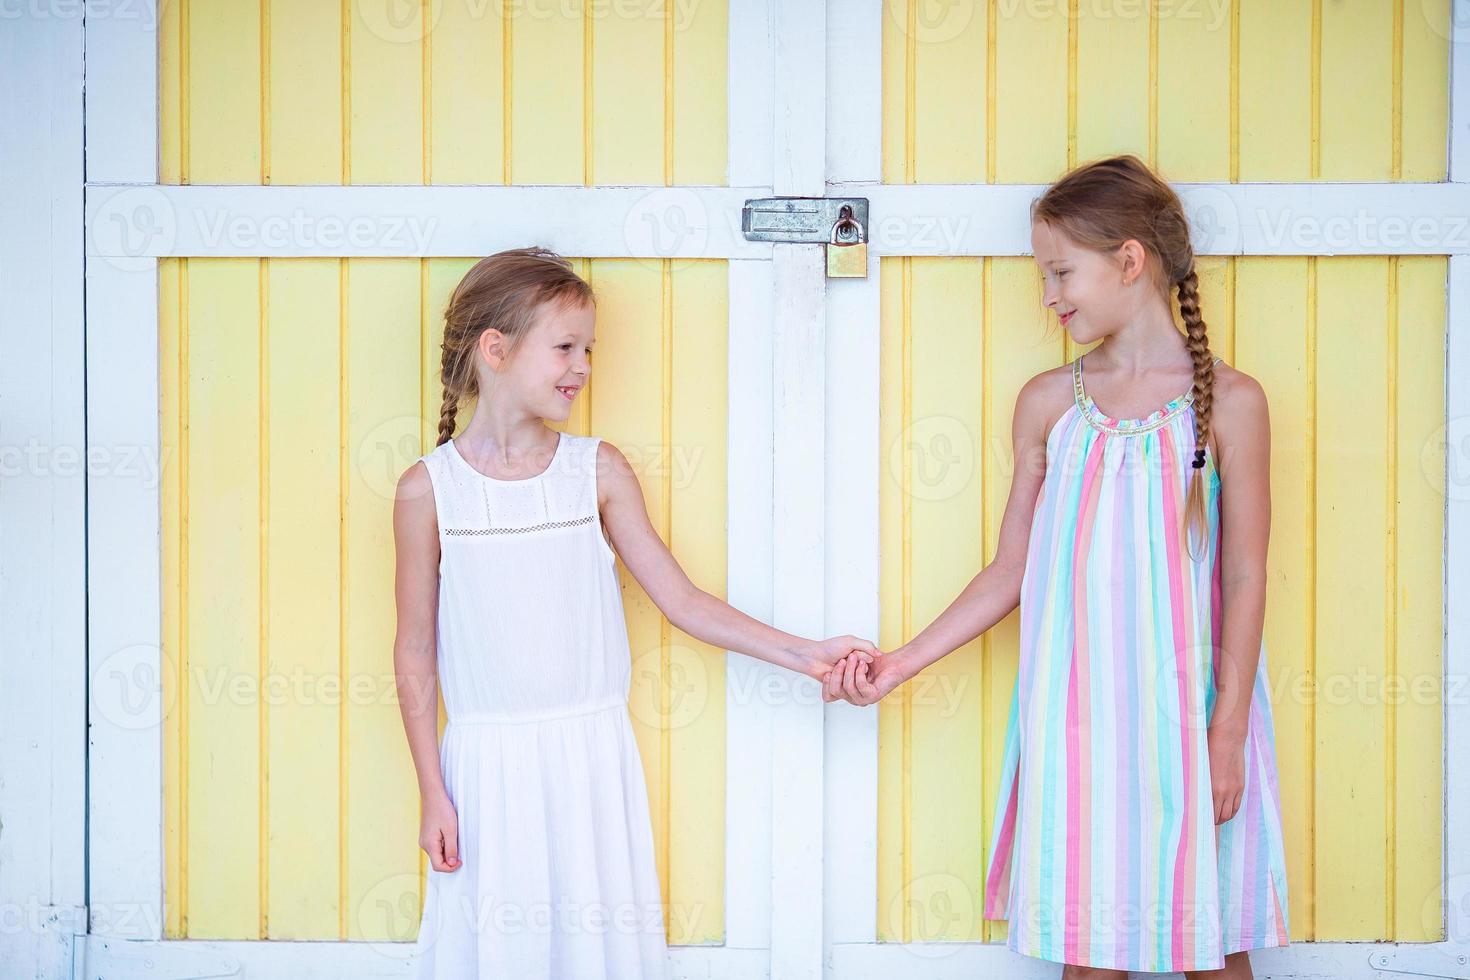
[1131,258]
[492,347]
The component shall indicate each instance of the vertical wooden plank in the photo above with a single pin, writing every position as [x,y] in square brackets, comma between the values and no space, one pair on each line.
[384,76]
[1194,91]
[1351,641]
[627,111]
[698,484]
[942,451]
[1021,341]
[1276,90]
[304,93]
[467,95]
[1417,602]
[949,72]
[1114,79]
[1274,341]
[1425,94]
[302,580]
[1356,94]
[629,406]
[547,98]
[171,93]
[894,621]
[222,142]
[379,393]
[700,75]
[172,274]
[1216,300]
[222,602]
[1031,100]
[895,56]
[442,276]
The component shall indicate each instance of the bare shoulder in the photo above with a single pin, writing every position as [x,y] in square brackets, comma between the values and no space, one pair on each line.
[416,485]
[614,472]
[1044,398]
[1238,401]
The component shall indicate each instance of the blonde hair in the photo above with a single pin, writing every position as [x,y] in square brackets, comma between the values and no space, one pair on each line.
[501,291]
[1102,204]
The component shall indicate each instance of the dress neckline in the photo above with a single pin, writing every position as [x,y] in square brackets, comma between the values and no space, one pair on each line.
[560,442]
[1099,419]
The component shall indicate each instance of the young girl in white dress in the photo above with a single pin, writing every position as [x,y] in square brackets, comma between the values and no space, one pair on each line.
[534,807]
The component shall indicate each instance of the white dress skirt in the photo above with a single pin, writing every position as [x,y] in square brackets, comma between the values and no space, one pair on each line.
[558,878]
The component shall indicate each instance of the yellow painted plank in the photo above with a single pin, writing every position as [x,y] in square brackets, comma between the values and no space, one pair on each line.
[942,448]
[629,409]
[1351,641]
[380,397]
[440,279]
[1417,602]
[1031,95]
[467,93]
[1020,342]
[303,578]
[701,103]
[627,111]
[1276,91]
[384,78]
[895,55]
[223,141]
[222,602]
[1274,337]
[696,460]
[547,98]
[1425,96]
[171,66]
[304,92]
[1113,84]
[1216,302]
[172,273]
[894,622]
[948,107]
[1356,91]
[1193,124]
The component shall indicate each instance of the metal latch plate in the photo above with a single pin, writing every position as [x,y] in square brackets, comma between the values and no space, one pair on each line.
[799,220]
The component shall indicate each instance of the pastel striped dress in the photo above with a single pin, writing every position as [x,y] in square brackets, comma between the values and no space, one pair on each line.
[1105,851]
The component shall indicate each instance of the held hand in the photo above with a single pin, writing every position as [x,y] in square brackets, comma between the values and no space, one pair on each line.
[439,833]
[862,684]
[1227,772]
[815,658]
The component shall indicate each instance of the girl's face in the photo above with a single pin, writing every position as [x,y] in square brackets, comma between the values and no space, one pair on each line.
[1086,287]
[553,361]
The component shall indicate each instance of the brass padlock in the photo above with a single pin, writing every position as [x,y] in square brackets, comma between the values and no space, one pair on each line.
[847,252]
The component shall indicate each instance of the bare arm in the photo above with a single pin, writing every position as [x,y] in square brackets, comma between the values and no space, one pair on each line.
[691,609]
[996,589]
[1242,429]
[416,591]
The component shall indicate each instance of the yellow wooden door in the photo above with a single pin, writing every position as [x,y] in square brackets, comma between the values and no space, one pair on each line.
[294,391]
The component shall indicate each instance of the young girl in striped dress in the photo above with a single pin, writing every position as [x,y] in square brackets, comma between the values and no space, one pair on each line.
[535,812]
[1138,823]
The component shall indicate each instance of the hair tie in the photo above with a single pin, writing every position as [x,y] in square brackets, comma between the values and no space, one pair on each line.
[1199,458]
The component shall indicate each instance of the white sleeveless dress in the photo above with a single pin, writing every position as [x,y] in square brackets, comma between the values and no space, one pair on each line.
[558,878]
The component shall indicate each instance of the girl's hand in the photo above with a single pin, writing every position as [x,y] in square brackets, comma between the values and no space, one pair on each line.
[816,657]
[852,680]
[439,833]
[1227,771]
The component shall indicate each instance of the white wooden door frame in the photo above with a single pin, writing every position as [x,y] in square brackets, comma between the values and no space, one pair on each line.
[42,496]
[793,908]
